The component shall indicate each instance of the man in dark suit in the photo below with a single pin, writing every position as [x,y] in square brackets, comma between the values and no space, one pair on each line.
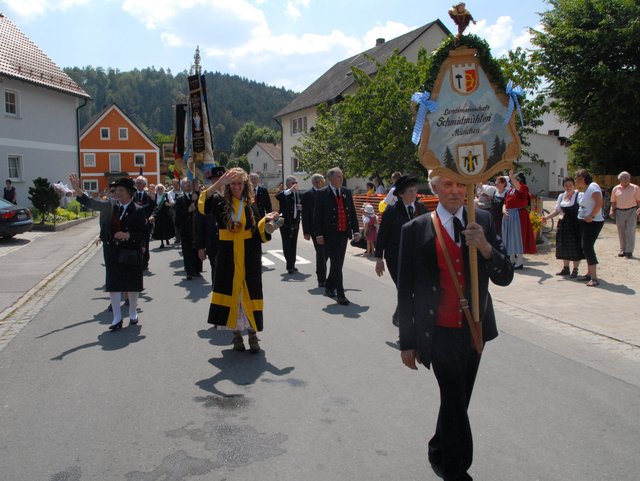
[335,221]
[433,330]
[207,229]
[290,210]
[393,218]
[260,195]
[186,208]
[308,205]
[142,198]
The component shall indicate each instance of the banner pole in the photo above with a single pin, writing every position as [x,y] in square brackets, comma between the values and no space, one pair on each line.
[473,257]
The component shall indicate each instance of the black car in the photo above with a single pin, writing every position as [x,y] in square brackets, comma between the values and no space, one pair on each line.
[14,219]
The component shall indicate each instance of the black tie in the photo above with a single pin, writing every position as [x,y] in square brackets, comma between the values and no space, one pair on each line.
[457,229]
[410,210]
[120,212]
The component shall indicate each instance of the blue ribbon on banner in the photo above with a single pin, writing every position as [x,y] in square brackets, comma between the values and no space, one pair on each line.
[513,93]
[425,106]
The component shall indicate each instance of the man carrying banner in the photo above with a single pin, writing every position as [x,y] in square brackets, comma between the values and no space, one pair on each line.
[433,329]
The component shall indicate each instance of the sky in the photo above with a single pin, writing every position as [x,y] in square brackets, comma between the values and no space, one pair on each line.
[284,43]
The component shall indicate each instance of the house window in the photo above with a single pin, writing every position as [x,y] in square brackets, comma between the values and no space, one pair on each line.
[123,133]
[90,185]
[295,164]
[11,103]
[298,125]
[138,160]
[15,167]
[264,166]
[104,133]
[114,162]
[257,153]
[89,160]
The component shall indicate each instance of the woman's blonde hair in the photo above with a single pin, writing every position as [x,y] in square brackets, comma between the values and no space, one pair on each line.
[247,193]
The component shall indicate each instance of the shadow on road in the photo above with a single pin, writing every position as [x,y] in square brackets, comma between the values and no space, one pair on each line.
[104,317]
[109,341]
[241,368]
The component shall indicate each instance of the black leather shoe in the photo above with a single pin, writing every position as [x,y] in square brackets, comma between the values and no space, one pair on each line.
[133,322]
[189,278]
[329,292]
[115,327]
[343,301]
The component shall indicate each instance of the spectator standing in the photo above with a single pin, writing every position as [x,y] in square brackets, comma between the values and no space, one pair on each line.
[173,192]
[9,192]
[391,198]
[308,206]
[591,221]
[370,228]
[568,243]
[625,204]
[291,210]
[517,233]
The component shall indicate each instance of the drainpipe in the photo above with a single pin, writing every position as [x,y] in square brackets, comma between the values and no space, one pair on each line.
[281,147]
[78,136]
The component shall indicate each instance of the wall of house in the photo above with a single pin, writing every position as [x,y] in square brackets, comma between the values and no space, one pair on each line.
[270,176]
[44,135]
[555,155]
[431,39]
[135,143]
[289,139]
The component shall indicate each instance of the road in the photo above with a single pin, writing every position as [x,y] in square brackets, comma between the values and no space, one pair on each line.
[328,398]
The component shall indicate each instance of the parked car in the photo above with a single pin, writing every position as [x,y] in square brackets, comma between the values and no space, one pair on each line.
[14,219]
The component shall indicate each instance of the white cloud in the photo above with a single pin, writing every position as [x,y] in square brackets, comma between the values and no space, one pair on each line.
[34,8]
[293,8]
[501,36]
[387,31]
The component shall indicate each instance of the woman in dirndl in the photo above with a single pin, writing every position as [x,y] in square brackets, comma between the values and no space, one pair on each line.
[568,242]
[237,301]
[161,218]
[517,233]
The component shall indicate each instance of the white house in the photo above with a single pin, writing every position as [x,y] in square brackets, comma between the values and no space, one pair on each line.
[38,120]
[551,142]
[266,160]
[301,114]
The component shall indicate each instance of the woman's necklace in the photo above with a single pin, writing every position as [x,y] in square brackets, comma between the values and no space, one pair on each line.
[234,224]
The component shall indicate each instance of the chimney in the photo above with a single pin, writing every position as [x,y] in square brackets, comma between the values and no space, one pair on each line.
[379,41]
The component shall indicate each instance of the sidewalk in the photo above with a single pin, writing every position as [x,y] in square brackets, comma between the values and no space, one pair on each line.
[26,266]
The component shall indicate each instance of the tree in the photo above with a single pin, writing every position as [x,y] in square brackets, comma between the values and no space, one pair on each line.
[368,132]
[44,197]
[590,50]
[249,134]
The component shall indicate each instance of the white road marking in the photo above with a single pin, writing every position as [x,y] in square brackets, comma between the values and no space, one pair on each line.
[278,254]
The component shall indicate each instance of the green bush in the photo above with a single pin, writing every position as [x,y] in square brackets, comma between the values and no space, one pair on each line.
[75,207]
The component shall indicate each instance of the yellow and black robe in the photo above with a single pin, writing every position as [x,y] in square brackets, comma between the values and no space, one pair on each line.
[238,275]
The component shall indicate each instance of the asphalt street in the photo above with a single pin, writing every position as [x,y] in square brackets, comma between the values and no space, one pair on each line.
[328,398]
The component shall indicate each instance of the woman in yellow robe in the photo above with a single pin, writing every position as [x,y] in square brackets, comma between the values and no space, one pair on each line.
[236,301]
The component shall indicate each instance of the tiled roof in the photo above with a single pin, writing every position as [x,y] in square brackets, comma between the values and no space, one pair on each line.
[274,151]
[21,59]
[331,85]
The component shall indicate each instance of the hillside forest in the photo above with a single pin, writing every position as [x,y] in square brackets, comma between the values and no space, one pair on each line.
[148,96]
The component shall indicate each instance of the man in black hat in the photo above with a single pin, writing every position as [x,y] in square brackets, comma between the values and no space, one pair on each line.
[207,228]
[393,218]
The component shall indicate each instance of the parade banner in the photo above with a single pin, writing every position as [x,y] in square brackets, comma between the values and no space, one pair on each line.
[469,130]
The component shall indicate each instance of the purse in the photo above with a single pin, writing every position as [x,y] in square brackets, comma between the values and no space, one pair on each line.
[130,257]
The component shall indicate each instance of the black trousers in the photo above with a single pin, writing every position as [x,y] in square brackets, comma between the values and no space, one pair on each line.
[455,364]
[392,267]
[321,261]
[336,249]
[589,232]
[192,263]
[289,244]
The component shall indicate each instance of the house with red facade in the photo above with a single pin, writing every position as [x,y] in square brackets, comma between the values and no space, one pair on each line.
[113,146]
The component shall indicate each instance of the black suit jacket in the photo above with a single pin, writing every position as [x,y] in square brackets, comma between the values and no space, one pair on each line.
[287,208]
[105,207]
[419,282]
[263,201]
[394,217]
[147,203]
[325,215]
[308,206]
[184,219]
